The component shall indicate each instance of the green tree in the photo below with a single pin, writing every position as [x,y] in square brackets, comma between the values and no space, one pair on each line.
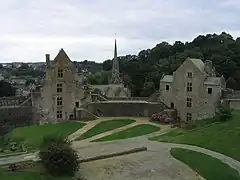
[165,58]
[148,88]
[6,89]
[58,157]
[99,77]
[107,65]
[24,66]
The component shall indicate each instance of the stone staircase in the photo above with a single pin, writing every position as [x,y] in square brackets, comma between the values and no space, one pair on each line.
[90,114]
[28,100]
[99,97]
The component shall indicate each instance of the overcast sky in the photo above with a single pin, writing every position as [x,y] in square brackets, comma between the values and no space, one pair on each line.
[85,28]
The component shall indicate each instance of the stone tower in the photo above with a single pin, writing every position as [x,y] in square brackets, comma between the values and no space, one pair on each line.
[115,79]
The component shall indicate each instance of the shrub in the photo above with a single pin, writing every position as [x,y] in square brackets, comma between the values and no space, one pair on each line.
[57,156]
[161,118]
[224,113]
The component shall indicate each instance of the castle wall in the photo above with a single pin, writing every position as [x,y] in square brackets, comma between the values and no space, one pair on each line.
[234,103]
[11,101]
[15,117]
[132,109]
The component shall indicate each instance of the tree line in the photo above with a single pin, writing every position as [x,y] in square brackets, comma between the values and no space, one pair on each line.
[142,72]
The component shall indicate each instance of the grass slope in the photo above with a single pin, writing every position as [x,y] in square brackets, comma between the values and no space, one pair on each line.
[208,167]
[28,175]
[105,126]
[222,137]
[33,135]
[135,131]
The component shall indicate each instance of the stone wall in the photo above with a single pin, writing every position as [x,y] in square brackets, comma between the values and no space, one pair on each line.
[118,109]
[234,103]
[15,117]
[84,115]
[11,101]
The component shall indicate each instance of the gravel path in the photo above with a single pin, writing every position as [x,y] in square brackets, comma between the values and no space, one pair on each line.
[154,164]
[89,125]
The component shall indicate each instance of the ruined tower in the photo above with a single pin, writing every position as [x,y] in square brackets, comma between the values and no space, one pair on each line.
[115,79]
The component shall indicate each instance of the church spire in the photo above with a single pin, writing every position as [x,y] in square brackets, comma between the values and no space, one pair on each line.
[115,50]
[115,79]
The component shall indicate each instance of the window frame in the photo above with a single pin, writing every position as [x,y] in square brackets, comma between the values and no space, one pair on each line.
[167,87]
[59,101]
[210,91]
[189,74]
[59,114]
[59,88]
[60,72]
[189,86]
[189,116]
[189,102]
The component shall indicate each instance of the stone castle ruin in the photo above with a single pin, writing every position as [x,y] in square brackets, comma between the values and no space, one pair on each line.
[15,112]
[194,91]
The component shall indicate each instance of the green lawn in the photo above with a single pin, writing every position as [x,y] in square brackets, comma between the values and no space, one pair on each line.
[208,167]
[222,137]
[33,135]
[105,126]
[135,131]
[28,174]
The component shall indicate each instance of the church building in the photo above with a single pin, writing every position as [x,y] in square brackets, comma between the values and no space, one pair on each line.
[115,87]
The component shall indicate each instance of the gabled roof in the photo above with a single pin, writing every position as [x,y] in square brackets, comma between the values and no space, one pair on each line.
[61,55]
[117,91]
[198,63]
[167,79]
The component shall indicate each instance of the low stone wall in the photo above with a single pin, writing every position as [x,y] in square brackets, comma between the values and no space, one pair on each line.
[84,115]
[135,150]
[11,118]
[118,109]
[234,103]
[11,101]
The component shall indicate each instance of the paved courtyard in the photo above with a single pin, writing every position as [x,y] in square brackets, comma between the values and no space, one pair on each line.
[154,164]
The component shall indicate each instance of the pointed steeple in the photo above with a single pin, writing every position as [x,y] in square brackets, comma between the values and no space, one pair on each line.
[115,50]
[115,79]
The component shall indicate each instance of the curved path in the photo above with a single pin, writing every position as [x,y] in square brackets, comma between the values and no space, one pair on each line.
[162,149]
[155,163]
[157,160]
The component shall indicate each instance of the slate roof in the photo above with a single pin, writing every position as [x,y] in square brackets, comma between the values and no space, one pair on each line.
[117,88]
[167,79]
[198,63]
[213,81]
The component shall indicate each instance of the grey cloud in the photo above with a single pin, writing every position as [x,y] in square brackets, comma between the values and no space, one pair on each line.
[85,28]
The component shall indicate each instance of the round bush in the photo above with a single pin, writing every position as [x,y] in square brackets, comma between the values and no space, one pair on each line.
[58,157]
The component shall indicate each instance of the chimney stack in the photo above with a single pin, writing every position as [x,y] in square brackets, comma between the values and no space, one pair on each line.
[48,60]
[208,67]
